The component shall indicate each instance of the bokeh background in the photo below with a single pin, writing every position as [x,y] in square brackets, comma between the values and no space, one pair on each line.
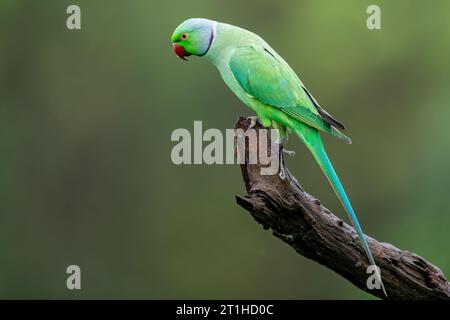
[85,122]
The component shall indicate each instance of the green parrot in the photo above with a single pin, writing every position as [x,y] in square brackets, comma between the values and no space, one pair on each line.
[261,79]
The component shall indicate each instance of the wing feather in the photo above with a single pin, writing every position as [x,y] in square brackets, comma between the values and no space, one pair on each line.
[269,79]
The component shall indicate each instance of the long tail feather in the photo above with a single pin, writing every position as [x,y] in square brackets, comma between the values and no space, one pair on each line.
[311,138]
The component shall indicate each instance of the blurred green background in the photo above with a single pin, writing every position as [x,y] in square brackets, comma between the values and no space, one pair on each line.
[86,117]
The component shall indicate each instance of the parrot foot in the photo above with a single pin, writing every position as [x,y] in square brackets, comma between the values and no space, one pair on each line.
[290,153]
[253,121]
[282,174]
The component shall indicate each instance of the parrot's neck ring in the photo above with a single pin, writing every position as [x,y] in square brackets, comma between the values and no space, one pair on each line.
[211,38]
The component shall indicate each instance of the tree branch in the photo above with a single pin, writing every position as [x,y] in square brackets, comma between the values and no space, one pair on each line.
[300,220]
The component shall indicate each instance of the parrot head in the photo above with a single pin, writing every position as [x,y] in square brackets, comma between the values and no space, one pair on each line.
[193,37]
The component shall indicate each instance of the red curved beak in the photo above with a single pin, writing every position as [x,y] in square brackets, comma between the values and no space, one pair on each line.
[179,51]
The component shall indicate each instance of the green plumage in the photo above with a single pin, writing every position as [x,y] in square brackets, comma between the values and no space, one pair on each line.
[271,81]
[267,84]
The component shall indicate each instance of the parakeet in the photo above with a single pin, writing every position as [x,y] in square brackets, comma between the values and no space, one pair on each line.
[263,81]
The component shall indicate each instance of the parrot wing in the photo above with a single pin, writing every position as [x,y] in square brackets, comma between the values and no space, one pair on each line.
[273,82]
[325,115]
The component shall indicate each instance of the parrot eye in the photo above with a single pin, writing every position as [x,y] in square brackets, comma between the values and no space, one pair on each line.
[184,36]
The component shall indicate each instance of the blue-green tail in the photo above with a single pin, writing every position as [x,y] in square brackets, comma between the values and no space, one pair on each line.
[311,138]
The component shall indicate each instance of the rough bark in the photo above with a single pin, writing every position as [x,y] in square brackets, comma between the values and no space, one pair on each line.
[300,220]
